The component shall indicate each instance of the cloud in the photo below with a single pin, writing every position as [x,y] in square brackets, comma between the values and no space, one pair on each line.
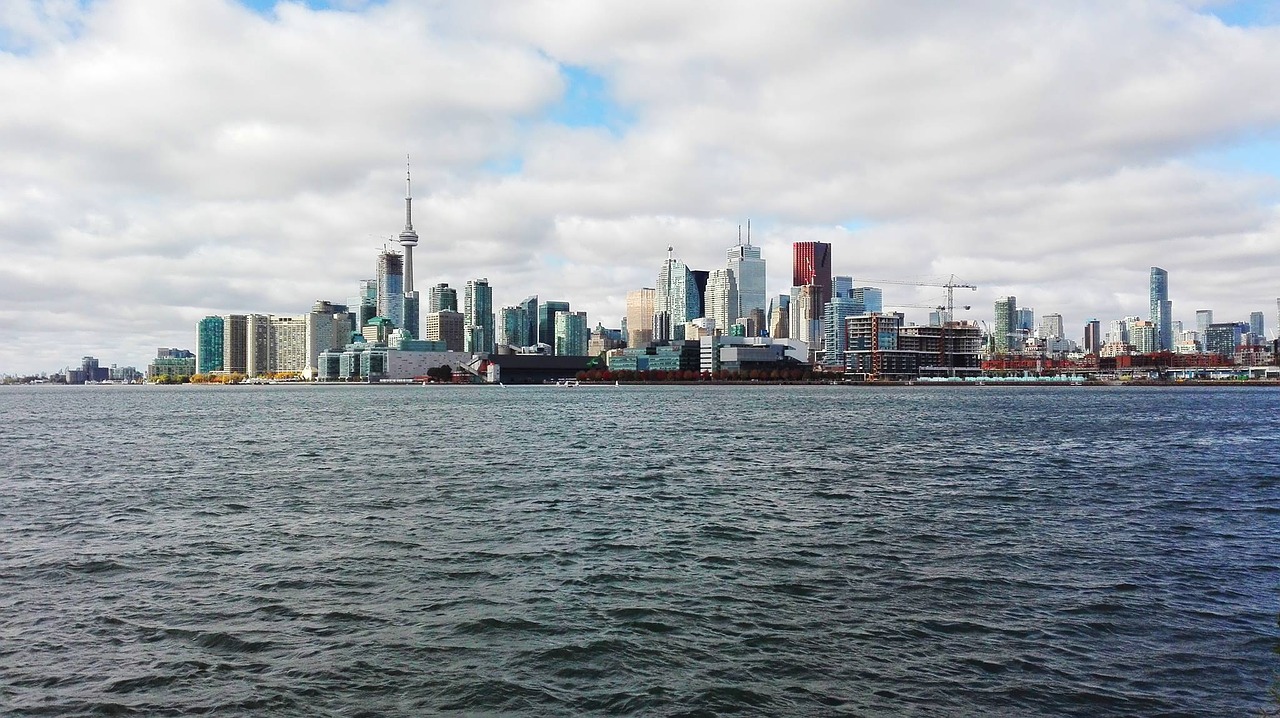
[176,159]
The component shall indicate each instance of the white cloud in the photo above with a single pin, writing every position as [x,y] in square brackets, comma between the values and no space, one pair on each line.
[168,160]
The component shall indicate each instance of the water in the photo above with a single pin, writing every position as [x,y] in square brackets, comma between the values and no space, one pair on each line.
[654,551]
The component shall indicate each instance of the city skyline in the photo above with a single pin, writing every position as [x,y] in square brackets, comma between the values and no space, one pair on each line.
[560,159]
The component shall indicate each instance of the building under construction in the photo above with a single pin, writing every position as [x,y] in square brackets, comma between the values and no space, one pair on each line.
[881,348]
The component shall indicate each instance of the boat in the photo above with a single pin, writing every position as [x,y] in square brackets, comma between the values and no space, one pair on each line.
[568,382]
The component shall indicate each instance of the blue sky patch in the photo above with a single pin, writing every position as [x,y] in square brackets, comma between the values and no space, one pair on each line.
[1246,13]
[1259,156]
[587,102]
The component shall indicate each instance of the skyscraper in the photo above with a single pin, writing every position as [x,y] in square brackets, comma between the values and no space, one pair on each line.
[441,298]
[780,316]
[748,275]
[640,317]
[409,240]
[235,339]
[834,315]
[1092,336]
[512,325]
[1257,325]
[871,298]
[675,300]
[811,264]
[571,334]
[1006,322]
[209,336]
[530,308]
[1051,326]
[700,279]
[391,287]
[842,286]
[1161,309]
[478,317]
[722,298]
[547,312]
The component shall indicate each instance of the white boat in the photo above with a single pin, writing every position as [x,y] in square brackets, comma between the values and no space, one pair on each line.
[568,382]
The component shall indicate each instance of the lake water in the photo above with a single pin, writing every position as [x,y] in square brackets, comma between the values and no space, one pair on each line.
[539,551]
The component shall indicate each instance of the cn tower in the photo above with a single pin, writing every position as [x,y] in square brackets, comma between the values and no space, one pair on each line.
[408,238]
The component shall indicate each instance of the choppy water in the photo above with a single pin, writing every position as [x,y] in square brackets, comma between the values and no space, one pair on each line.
[653,551]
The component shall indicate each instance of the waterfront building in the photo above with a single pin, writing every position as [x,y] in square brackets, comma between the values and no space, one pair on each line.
[478,336]
[1006,323]
[327,328]
[1092,336]
[259,349]
[676,299]
[391,287]
[729,352]
[512,325]
[571,334]
[235,343]
[640,317]
[1142,335]
[672,356]
[1257,325]
[1161,309]
[209,336]
[445,326]
[530,308]
[748,272]
[289,346]
[442,298]
[547,312]
[1223,337]
[722,297]
[377,331]
[811,264]
[172,363]
[880,346]
[834,329]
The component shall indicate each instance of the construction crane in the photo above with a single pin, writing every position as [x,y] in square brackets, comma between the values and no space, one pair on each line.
[950,285]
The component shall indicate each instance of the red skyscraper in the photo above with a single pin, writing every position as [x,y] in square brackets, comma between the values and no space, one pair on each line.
[812,265]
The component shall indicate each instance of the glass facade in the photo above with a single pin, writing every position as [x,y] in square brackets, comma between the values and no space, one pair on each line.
[209,336]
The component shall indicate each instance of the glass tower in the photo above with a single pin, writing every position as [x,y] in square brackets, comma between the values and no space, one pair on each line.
[209,337]
[1161,309]
[547,312]
[391,287]
[477,312]
[748,276]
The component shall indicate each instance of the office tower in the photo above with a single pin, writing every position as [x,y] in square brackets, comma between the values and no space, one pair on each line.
[477,312]
[1051,327]
[640,317]
[780,316]
[1257,325]
[1026,320]
[834,315]
[570,334]
[1092,336]
[530,308]
[547,312]
[871,298]
[1161,309]
[259,349]
[1006,324]
[811,264]
[1223,338]
[441,298]
[445,326]
[700,279]
[748,276]
[937,317]
[1204,317]
[842,286]
[327,329]
[391,287]
[722,298]
[209,335]
[675,299]
[806,315]
[363,306]
[235,338]
[512,326]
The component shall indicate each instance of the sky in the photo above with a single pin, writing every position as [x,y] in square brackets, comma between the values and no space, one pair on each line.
[163,161]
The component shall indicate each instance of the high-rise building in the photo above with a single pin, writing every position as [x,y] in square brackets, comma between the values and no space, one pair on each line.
[748,275]
[235,343]
[780,316]
[1204,317]
[1161,309]
[571,334]
[806,315]
[871,298]
[700,279]
[1142,335]
[391,287]
[676,299]
[209,336]
[478,317]
[834,315]
[1092,336]
[530,308]
[289,344]
[1223,338]
[412,314]
[512,325]
[442,298]
[722,298]
[1006,324]
[1026,320]
[842,286]
[811,264]
[1257,325]
[445,326]
[1051,327]
[640,317]
[259,349]
[547,312]
[363,306]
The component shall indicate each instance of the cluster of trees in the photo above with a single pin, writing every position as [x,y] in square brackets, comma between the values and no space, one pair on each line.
[659,375]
